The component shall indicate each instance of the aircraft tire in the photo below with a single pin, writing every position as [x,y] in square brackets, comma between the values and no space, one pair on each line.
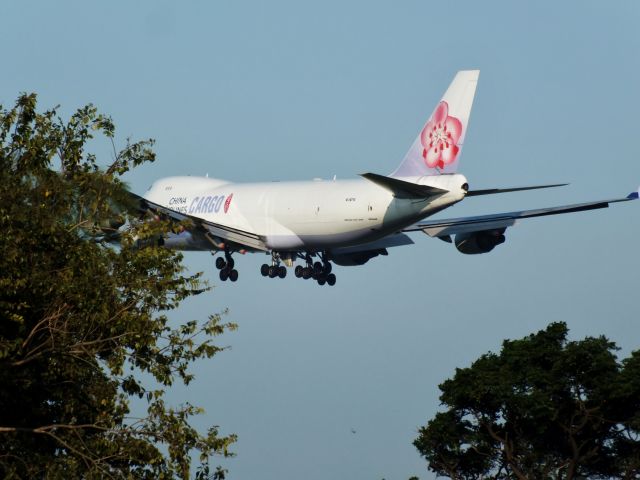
[224,274]
[327,268]
[298,271]
[317,268]
[220,263]
[306,273]
[282,271]
[233,275]
[272,272]
[230,263]
[331,279]
[264,270]
[322,280]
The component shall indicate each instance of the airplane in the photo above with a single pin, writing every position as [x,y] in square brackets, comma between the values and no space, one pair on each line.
[344,222]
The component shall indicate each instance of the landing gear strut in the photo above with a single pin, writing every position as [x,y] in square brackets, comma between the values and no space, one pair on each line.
[225,265]
[275,269]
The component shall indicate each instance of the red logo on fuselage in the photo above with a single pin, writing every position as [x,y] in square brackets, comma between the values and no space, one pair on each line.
[227,202]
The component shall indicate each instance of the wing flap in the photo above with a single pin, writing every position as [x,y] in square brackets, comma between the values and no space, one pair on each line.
[446,230]
[236,236]
[395,240]
[453,226]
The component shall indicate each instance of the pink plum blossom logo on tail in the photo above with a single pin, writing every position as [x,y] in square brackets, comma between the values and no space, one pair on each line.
[440,138]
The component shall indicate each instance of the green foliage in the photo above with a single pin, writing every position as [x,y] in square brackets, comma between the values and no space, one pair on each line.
[544,408]
[76,314]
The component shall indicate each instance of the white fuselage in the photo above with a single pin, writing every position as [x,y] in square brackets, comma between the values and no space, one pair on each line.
[306,215]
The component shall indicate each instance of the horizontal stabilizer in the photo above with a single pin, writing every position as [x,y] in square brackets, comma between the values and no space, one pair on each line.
[491,191]
[402,189]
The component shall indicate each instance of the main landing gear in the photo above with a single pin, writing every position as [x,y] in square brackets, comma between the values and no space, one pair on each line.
[225,265]
[319,271]
[275,269]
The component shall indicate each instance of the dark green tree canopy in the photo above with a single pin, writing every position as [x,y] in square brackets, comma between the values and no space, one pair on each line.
[544,408]
[82,322]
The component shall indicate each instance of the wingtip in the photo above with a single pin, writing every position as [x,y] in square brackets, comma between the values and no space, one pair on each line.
[634,195]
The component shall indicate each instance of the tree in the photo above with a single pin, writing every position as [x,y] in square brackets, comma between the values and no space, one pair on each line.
[83,323]
[544,408]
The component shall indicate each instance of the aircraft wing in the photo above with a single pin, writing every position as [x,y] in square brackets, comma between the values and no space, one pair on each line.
[214,232]
[445,228]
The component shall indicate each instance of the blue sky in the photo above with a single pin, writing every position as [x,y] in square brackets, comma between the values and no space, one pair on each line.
[250,91]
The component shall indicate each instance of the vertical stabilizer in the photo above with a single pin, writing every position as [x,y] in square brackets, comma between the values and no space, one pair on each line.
[437,148]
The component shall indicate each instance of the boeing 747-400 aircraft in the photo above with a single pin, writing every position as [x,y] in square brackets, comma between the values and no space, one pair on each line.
[345,222]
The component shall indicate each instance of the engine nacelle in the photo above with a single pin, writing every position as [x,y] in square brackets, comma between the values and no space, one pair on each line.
[479,242]
[154,241]
[355,258]
[185,240]
[112,224]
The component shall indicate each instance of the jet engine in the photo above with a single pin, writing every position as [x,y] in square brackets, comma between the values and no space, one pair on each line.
[185,240]
[112,224]
[105,230]
[479,242]
[356,258]
[154,241]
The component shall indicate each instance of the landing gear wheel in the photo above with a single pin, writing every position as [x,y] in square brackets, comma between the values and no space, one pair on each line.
[264,270]
[224,274]
[220,263]
[282,271]
[306,273]
[326,268]
[298,271]
[331,279]
[233,275]
[230,263]
[317,268]
[322,279]
[273,272]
